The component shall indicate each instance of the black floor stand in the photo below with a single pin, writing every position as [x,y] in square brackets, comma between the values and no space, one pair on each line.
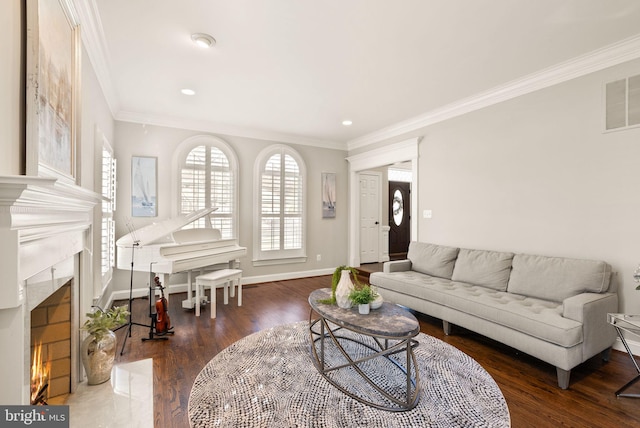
[130,324]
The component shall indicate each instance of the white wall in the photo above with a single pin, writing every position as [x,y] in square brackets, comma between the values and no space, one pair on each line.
[327,237]
[537,174]
[10,78]
[96,122]
[95,116]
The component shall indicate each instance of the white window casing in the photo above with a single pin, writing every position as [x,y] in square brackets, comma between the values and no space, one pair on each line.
[279,206]
[108,191]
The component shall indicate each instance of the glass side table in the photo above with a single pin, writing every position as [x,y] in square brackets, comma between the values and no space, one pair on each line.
[630,324]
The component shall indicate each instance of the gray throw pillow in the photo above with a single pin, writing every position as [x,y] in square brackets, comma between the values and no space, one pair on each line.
[431,259]
[557,278]
[485,268]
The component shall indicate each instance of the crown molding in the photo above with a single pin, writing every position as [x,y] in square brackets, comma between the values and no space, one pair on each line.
[70,11]
[225,129]
[98,52]
[94,42]
[611,55]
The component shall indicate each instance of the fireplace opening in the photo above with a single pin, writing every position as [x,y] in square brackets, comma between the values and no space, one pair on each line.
[40,371]
[51,346]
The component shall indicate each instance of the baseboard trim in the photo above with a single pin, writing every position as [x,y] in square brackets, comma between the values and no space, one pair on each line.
[633,345]
[182,288]
[287,275]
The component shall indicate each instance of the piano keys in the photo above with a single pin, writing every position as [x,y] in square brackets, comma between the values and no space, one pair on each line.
[164,248]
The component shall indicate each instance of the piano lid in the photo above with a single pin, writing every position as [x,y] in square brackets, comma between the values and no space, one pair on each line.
[160,232]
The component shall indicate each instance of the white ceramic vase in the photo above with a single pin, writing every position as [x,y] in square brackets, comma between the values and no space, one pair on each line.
[343,289]
[98,357]
[363,308]
[377,302]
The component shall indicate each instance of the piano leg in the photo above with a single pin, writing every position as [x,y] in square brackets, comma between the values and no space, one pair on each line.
[213,301]
[200,289]
[188,303]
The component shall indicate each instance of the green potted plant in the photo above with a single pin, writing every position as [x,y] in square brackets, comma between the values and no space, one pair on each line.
[98,349]
[362,296]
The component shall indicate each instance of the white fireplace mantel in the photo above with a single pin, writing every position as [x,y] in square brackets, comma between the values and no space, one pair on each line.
[42,222]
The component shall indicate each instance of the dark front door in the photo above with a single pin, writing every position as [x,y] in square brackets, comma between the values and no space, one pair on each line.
[399,218]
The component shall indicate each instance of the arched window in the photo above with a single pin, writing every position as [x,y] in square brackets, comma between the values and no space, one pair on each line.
[208,178]
[279,229]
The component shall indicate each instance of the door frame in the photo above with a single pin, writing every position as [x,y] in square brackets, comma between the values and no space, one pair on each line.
[404,151]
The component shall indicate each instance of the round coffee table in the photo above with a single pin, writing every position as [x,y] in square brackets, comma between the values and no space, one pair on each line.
[387,332]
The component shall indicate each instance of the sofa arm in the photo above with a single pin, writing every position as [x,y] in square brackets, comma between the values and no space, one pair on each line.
[396,266]
[591,310]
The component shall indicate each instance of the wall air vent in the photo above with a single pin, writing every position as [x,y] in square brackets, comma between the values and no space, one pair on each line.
[622,103]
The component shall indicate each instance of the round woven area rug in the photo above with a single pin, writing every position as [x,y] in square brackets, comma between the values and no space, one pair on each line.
[268,379]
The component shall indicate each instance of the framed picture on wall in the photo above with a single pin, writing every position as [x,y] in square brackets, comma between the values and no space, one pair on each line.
[328,194]
[144,198]
[53,75]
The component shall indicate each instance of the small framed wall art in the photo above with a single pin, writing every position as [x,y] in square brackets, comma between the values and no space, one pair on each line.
[144,198]
[328,194]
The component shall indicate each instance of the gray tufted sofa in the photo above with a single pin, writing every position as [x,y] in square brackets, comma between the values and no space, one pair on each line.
[552,308]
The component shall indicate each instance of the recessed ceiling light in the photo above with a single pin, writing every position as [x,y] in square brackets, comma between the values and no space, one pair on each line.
[347,122]
[187,91]
[203,40]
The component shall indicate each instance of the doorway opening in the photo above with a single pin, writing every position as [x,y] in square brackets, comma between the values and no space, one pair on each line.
[380,159]
[399,209]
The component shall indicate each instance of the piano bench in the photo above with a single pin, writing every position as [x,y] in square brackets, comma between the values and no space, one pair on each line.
[216,279]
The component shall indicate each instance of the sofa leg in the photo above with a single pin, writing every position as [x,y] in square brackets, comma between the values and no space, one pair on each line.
[446,326]
[563,377]
[606,354]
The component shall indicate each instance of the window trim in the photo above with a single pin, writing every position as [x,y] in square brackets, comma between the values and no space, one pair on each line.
[183,150]
[110,215]
[264,258]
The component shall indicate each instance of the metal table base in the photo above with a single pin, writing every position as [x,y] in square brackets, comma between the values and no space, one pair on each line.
[320,330]
[630,324]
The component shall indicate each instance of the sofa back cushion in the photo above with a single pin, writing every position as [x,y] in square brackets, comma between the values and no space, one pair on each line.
[431,259]
[557,278]
[486,268]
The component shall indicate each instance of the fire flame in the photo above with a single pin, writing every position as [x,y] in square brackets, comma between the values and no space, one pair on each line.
[39,372]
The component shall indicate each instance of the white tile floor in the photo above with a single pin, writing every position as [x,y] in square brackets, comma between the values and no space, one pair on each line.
[124,401]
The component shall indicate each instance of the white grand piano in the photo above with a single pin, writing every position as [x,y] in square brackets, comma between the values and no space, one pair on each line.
[165,248]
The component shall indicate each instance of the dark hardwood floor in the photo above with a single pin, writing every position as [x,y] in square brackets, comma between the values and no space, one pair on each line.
[528,385]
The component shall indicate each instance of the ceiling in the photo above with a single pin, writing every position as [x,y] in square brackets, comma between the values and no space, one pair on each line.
[293,70]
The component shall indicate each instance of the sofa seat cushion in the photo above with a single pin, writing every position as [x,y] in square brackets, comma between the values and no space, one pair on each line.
[557,278]
[432,259]
[535,317]
[486,268]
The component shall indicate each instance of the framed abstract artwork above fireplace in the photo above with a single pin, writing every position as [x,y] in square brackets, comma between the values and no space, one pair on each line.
[53,90]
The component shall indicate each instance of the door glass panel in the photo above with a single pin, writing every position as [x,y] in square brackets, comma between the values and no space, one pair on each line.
[398,207]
